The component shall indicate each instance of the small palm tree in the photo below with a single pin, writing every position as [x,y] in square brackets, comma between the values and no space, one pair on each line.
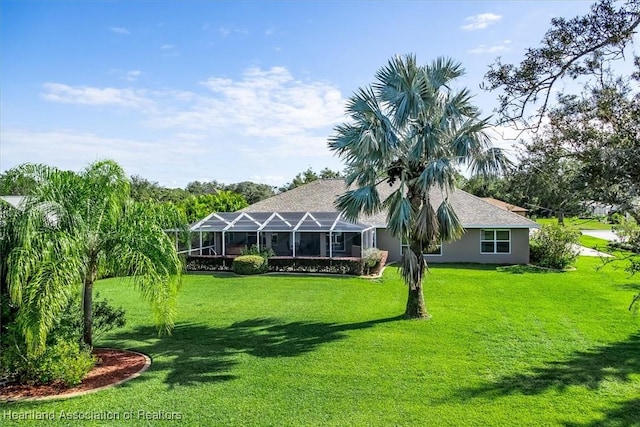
[73,227]
[412,129]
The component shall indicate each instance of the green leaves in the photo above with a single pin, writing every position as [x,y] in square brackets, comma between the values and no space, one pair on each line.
[399,213]
[361,200]
[412,130]
[74,225]
[450,226]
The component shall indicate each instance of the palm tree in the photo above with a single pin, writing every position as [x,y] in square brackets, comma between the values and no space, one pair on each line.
[72,227]
[412,129]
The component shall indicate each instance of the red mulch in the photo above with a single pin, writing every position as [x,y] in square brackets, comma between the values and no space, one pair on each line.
[113,366]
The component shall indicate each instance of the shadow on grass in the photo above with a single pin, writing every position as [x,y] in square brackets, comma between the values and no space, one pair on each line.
[616,361]
[626,414]
[630,287]
[522,269]
[197,353]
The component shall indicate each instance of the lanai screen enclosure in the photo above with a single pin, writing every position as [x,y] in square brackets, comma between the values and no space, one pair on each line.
[296,234]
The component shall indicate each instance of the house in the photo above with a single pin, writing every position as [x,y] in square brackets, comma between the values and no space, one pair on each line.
[304,222]
[507,206]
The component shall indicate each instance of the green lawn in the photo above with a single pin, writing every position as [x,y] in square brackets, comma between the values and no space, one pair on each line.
[502,348]
[581,224]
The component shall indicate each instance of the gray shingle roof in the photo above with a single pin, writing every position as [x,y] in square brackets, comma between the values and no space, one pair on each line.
[320,195]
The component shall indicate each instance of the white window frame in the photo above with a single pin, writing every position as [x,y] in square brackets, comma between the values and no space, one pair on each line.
[495,241]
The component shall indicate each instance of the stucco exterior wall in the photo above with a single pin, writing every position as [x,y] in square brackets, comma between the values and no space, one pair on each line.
[386,242]
[467,249]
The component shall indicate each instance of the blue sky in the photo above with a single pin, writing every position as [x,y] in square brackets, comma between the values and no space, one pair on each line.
[227,91]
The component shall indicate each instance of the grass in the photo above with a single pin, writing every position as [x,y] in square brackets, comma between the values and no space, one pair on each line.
[579,223]
[504,347]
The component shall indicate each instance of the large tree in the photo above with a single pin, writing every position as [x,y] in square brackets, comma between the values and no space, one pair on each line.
[571,49]
[546,181]
[195,208]
[309,176]
[251,191]
[412,129]
[74,225]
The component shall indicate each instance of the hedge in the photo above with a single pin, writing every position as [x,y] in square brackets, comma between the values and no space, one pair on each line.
[349,266]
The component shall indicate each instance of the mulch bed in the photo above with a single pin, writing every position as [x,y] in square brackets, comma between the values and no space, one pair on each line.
[113,366]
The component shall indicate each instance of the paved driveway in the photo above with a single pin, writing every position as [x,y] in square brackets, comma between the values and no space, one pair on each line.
[601,234]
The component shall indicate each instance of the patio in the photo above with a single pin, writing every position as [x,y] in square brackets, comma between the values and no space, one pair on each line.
[287,234]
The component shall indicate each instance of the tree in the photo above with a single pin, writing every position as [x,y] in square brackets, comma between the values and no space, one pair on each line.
[15,182]
[571,48]
[251,191]
[71,226]
[198,188]
[196,208]
[412,129]
[309,176]
[143,190]
[485,187]
[587,151]
[546,180]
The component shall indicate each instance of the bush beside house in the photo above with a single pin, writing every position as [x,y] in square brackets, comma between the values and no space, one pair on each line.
[554,246]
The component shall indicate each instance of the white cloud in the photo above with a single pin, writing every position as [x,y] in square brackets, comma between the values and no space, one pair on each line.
[119,30]
[227,31]
[265,120]
[481,21]
[72,150]
[130,98]
[167,46]
[281,115]
[127,75]
[273,180]
[481,49]
[132,75]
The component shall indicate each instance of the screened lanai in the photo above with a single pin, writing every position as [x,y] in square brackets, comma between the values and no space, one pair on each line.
[296,234]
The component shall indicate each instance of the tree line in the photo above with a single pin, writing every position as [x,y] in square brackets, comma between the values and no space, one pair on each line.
[197,200]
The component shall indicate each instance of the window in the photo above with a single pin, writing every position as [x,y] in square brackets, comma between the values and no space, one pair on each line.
[274,240]
[337,242]
[435,251]
[495,241]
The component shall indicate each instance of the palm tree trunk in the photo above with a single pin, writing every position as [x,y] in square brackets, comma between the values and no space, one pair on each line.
[87,304]
[416,308]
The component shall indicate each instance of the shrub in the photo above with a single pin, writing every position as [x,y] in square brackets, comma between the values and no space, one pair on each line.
[63,361]
[371,258]
[250,264]
[553,246]
[628,230]
[105,318]
[254,250]
[353,266]
[196,263]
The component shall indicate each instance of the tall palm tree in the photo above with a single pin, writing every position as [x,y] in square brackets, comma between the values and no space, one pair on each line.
[74,225]
[412,129]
